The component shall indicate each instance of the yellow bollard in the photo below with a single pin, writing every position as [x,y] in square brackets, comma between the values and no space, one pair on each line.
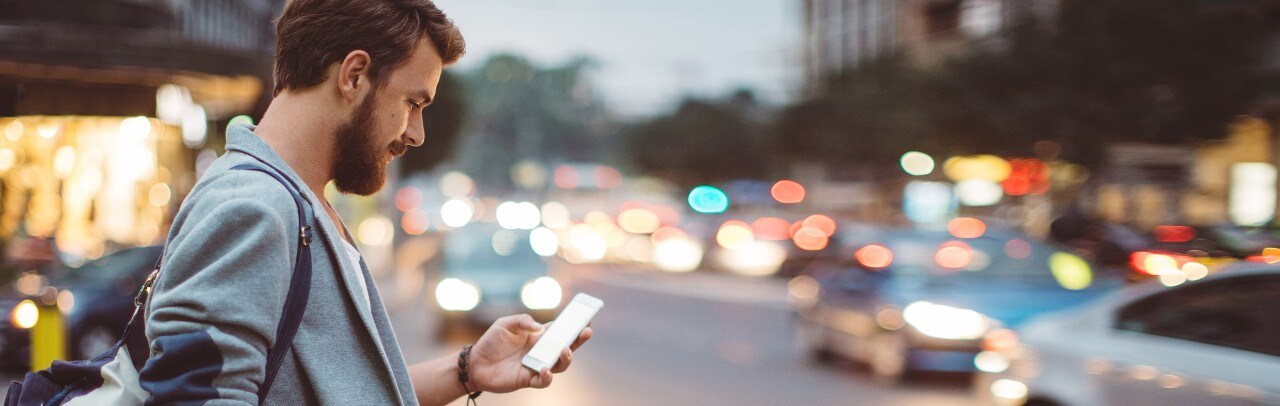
[48,337]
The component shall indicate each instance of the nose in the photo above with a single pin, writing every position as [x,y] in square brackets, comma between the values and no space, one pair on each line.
[415,132]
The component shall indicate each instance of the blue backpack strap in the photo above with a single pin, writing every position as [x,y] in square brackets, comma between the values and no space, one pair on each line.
[299,286]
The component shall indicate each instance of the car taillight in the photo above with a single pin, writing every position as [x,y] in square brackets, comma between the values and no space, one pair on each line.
[1158,263]
[999,340]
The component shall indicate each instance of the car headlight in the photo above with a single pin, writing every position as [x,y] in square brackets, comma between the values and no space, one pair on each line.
[457,295]
[25,315]
[541,294]
[946,322]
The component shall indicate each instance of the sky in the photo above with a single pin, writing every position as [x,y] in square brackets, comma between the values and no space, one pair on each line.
[650,53]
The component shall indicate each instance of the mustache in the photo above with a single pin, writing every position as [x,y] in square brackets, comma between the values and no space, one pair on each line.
[398,147]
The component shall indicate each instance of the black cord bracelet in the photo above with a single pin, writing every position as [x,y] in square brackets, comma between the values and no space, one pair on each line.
[463,377]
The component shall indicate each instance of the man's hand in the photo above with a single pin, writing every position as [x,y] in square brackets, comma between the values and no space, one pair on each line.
[494,364]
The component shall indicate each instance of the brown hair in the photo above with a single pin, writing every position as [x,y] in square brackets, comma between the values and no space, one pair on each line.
[311,35]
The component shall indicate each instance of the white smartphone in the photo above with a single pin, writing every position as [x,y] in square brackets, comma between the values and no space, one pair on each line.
[568,325]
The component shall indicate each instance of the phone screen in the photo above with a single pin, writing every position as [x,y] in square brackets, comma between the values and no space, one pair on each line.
[562,333]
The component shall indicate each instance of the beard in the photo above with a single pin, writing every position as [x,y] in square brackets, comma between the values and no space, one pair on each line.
[361,165]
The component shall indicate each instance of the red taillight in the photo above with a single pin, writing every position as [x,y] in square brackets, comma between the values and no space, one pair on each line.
[1174,233]
[999,340]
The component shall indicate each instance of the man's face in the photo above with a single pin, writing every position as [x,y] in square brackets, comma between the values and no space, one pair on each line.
[386,122]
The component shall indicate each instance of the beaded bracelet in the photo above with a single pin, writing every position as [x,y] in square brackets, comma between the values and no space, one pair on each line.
[463,377]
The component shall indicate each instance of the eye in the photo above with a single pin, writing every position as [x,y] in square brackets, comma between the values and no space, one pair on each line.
[415,105]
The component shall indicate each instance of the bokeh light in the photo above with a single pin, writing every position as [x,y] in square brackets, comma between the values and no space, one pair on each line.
[588,242]
[415,222]
[606,177]
[979,192]
[977,167]
[708,200]
[823,224]
[544,241]
[810,239]
[874,256]
[408,198]
[788,191]
[734,234]
[771,229]
[1195,271]
[966,227]
[638,221]
[1017,249]
[518,215]
[917,163]
[954,255]
[1071,271]
[555,215]
[567,177]
[240,120]
[457,185]
[456,213]
[678,254]
[375,231]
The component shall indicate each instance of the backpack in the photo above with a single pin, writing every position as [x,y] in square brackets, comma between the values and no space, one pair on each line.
[112,377]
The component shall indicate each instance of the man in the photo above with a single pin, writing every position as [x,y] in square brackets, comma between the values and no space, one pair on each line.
[351,80]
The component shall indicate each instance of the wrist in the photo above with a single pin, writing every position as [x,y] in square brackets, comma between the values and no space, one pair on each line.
[469,387]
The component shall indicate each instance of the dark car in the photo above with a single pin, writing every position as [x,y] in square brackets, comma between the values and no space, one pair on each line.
[488,272]
[96,300]
[923,300]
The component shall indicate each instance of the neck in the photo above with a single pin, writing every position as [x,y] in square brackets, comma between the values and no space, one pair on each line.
[304,139]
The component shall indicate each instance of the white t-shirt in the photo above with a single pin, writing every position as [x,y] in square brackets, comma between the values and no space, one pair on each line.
[354,256]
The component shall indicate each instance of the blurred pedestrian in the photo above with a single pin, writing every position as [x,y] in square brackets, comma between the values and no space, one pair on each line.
[351,80]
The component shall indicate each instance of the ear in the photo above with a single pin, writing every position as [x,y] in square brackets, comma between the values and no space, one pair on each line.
[353,75]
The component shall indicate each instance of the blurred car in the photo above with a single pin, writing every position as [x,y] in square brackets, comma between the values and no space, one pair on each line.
[1210,342]
[96,300]
[488,272]
[1168,249]
[923,300]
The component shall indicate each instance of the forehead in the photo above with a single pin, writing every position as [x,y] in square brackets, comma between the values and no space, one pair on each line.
[422,69]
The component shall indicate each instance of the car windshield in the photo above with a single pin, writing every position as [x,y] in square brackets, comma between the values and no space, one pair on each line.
[466,249]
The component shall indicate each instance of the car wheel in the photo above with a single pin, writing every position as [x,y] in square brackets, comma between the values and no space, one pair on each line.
[97,340]
[888,361]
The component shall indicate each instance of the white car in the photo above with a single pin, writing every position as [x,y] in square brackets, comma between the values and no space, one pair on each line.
[1210,342]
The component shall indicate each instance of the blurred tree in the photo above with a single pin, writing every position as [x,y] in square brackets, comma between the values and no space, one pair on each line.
[866,119]
[701,142]
[524,112]
[1101,72]
[442,121]
[1157,71]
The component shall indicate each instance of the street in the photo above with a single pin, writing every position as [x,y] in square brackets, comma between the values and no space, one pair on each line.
[665,339]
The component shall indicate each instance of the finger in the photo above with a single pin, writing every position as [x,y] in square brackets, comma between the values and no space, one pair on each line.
[541,380]
[519,323]
[585,335]
[566,357]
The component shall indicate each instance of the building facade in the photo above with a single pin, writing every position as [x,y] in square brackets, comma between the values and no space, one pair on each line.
[105,106]
[840,35]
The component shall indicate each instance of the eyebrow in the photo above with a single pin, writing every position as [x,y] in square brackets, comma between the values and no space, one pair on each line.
[423,95]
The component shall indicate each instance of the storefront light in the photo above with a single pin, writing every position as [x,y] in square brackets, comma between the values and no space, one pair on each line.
[135,128]
[14,130]
[64,161]
[195,126]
